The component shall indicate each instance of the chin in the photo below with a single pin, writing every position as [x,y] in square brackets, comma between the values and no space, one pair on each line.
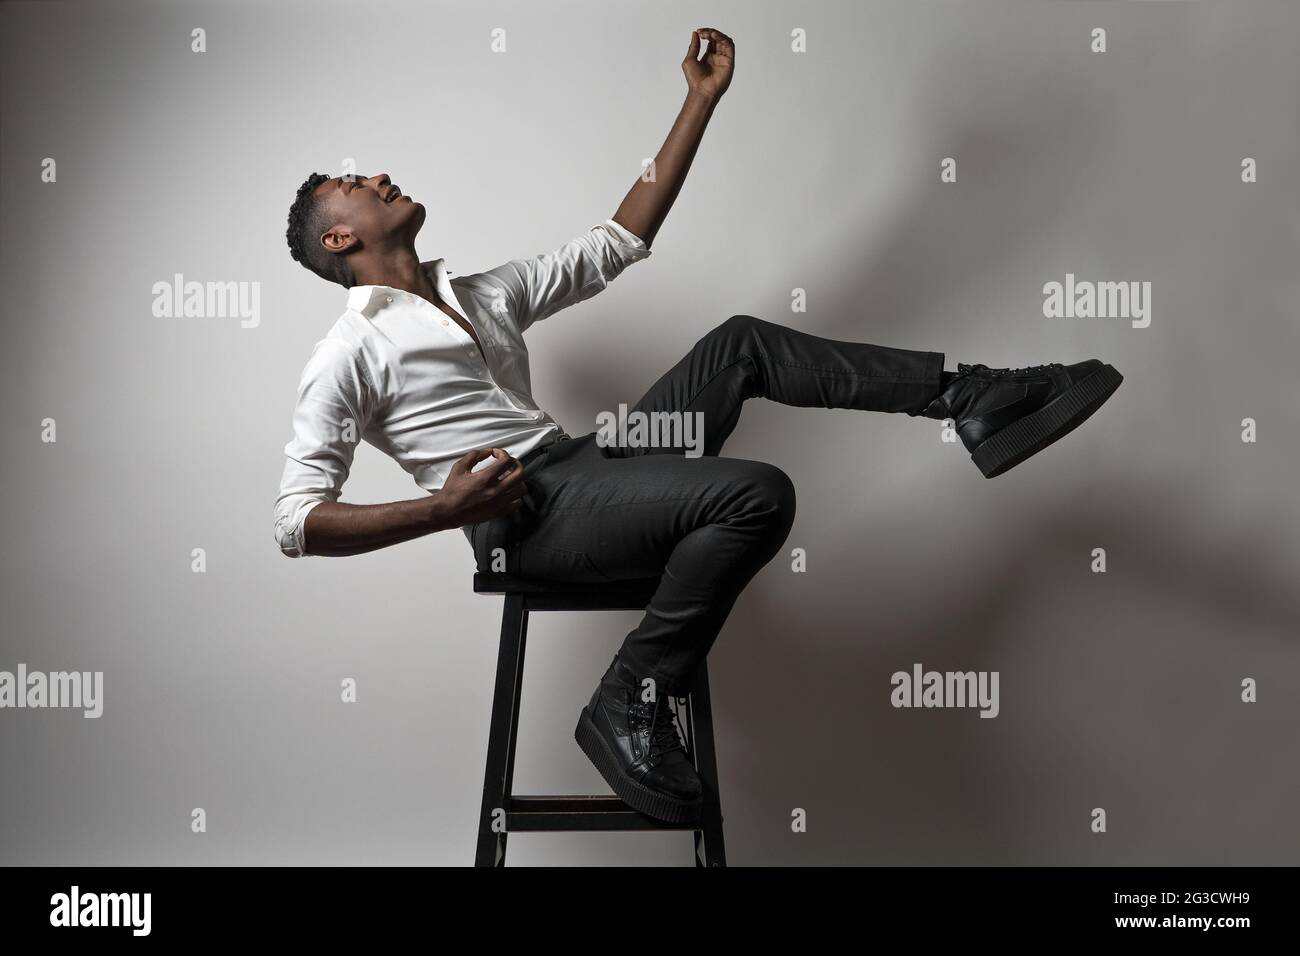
[417,216]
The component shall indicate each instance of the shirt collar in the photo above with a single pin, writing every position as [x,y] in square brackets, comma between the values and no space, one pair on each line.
[368,299]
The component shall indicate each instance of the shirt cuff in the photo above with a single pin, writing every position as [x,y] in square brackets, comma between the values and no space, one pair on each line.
[630,246]
[290,530]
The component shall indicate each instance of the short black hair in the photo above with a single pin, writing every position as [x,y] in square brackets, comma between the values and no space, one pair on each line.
[307,223]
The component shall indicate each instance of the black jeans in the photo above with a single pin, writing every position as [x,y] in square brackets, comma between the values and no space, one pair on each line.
[703,525]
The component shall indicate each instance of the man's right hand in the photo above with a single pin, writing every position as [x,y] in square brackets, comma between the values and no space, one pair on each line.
[468,496]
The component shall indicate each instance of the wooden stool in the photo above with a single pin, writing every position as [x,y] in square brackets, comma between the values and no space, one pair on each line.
[503,812]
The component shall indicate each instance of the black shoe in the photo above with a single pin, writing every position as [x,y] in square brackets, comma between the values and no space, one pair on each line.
[636,748]
[1006,415]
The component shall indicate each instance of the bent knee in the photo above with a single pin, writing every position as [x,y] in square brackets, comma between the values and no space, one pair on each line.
[738,325]
[773,493]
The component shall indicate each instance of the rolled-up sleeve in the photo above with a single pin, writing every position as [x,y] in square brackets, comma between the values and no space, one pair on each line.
[543,285]
[333,408]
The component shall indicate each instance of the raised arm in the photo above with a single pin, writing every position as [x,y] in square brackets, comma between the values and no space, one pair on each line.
[647,203]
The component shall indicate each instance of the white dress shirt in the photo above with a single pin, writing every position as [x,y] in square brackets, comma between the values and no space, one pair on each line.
[397,372]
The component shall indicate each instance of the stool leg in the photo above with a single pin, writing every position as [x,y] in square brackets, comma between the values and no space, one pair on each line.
[709,848]
[503,732]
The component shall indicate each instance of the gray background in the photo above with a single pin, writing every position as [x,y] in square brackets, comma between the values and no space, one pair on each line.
[819,171]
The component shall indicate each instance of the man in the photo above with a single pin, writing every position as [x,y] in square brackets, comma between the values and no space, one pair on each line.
[434,372]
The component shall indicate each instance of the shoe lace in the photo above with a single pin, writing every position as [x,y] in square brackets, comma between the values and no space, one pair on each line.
[1005,372]
[660,722]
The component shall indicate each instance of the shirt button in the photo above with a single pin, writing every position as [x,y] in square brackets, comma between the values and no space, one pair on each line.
[388,298]
[444,321]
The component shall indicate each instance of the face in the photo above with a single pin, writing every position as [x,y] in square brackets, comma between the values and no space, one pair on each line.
[370,211]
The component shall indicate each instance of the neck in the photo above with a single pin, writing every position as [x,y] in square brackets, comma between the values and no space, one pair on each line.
[399,269]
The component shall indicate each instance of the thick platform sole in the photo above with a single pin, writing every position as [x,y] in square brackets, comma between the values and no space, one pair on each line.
[1053,421]
[637,796]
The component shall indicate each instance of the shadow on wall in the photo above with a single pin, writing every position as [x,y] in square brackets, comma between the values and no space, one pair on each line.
[906,787]
[1111,695]
[900,787]
[1017,159]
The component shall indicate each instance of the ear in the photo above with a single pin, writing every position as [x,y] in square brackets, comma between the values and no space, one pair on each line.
[339,240]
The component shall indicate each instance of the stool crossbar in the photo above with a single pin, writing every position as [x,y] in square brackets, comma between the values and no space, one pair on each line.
[503,811]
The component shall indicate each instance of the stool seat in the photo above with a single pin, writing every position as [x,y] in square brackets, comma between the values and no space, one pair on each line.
[503,811]
[568,596]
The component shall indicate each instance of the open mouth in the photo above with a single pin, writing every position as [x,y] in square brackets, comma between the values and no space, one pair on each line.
[393,194]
